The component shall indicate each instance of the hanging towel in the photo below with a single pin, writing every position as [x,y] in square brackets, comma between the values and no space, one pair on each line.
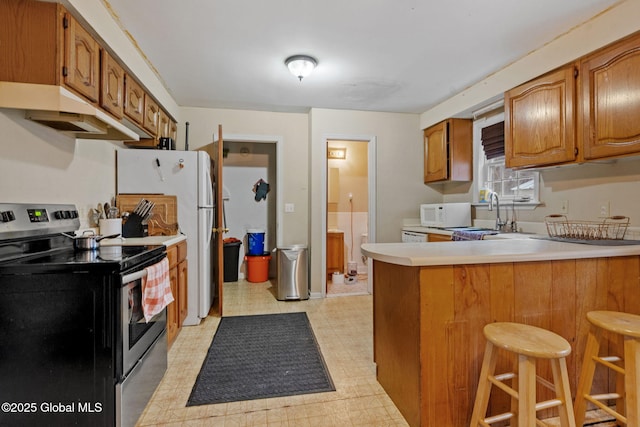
[461,235]
[156,289]
[261,188]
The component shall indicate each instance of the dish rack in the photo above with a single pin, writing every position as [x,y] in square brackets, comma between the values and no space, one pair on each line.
[611,228]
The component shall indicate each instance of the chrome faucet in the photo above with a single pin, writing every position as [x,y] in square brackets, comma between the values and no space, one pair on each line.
[499,222]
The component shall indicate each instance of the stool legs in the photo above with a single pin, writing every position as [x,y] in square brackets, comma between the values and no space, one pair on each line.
[526,391]
[524,399]
[484,385]
[632,370]
[627,396]
[586,375]
[563,391]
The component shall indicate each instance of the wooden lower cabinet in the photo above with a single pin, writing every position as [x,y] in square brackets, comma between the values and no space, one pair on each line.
[335,253]
[177,310]
[428,321]
[435,237]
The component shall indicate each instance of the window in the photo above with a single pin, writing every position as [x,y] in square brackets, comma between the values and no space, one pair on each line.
[520,186]
[515,185]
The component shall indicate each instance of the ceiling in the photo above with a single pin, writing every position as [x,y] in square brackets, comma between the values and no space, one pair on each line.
[373,55]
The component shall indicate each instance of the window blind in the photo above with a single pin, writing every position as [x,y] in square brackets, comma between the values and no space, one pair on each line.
[493,140]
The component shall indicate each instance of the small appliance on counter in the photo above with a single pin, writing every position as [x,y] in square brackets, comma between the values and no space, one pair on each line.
[443,215]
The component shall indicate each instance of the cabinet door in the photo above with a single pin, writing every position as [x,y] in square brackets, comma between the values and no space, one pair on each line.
[81,70]
[133,99]
[163,124]
[183,280]
[611,100]
[151,115]
[173,314]
[111,85]
[173,131]
[433,237]
[435,153]
[539,121]
[335,254]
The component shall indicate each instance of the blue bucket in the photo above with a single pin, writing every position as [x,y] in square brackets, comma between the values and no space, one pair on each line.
[255,242]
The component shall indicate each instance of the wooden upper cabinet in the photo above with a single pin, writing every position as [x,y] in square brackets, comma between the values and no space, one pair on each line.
[29,42]
[611,100]
[539,123]
[151,115]
[81,69]
[111,85]
[133,99]
[173,130]
[164,123]
[448,151]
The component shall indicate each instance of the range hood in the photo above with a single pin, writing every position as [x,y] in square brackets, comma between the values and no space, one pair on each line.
[58,108]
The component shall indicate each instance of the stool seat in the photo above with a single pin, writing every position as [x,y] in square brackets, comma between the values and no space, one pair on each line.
[527,340]
[527,343]
[620,323]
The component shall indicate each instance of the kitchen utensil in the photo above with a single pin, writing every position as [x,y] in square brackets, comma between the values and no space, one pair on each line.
[113,213]
[95,216]
[107,206]
[100,210]
[88,241]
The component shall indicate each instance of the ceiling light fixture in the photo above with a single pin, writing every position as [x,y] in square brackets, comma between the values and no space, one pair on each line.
[300,65]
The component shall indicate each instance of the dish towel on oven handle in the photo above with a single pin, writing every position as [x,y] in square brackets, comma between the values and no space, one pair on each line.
[156,289]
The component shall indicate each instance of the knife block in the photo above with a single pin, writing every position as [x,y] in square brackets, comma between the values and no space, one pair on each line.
[135,227]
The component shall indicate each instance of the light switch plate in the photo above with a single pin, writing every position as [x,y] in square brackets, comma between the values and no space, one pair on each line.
[288,207]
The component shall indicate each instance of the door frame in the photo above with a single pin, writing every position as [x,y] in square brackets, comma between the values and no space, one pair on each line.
[268,139]
[371,142]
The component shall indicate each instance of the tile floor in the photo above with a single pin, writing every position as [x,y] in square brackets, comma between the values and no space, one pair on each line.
[359,287]
[343,328]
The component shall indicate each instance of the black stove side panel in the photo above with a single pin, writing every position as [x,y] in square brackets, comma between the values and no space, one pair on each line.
[56,350]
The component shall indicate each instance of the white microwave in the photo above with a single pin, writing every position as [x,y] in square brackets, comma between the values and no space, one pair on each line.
[445,215]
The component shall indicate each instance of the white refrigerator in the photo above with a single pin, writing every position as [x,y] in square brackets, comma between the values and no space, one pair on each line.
[187,175]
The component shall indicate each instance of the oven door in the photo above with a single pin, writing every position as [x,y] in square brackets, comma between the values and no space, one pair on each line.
[137,334]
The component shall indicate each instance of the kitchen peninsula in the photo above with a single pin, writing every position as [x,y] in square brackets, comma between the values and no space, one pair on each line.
[431,301]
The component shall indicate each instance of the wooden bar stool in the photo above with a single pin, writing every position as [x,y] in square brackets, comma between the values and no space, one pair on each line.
[626,326]
[529,343]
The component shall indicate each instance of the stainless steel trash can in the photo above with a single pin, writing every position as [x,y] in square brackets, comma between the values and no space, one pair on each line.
[293,272]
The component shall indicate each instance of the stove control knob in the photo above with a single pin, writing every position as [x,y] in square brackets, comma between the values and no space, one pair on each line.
[58,214]
[7,216]
[74,214]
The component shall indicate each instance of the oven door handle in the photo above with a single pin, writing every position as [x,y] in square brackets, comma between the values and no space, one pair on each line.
[134,276]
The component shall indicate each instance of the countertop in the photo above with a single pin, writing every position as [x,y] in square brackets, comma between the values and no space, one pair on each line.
[488,251]
[141,241]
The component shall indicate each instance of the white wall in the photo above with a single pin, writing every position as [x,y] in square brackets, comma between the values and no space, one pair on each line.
[614,24]
[40,165]
[399,172]
[291,128]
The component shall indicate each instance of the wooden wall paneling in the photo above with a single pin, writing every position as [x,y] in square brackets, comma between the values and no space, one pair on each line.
[397,345]
[563,312]
[534,306]
[472,312]
[437,313]
[502,297]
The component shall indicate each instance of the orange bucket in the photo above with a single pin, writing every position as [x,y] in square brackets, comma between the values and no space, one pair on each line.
[257,268]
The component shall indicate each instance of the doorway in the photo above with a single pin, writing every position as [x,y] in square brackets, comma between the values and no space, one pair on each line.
[250,162]
[348,216]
